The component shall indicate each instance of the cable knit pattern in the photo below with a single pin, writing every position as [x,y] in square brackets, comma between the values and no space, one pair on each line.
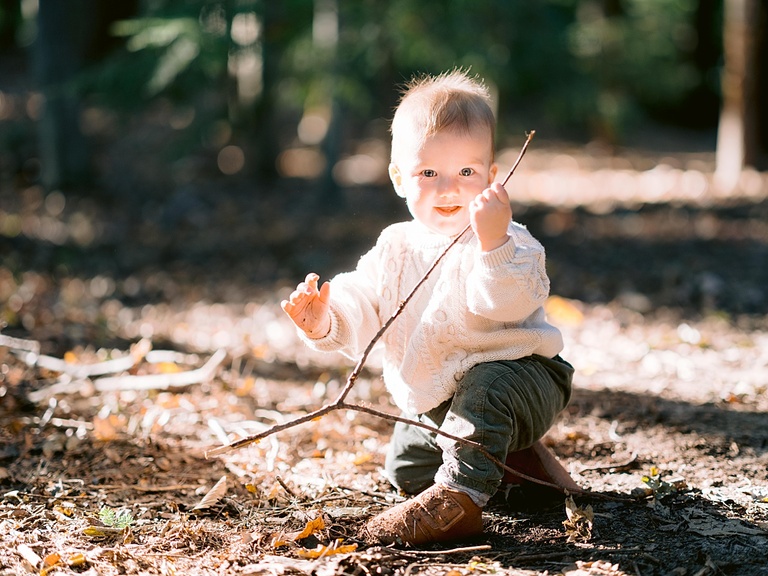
[475,307]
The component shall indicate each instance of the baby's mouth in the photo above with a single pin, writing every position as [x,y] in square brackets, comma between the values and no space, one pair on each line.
[447,210]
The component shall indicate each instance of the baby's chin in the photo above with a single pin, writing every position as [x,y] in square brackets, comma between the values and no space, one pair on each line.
[447,228]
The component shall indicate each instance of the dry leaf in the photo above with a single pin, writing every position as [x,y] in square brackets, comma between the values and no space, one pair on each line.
[311,527]
[214,495]
[363,458]
[168,368]
[29,555]
[65,508]
[246,386]
[101,531]
[106,429]
[76,559]
[578,526]
[562,311]
[52,559]
[324,551]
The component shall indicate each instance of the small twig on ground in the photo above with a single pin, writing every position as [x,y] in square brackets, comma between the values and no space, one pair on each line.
[79,370]
[163,381]
[612,467]
[285,486]
[20,344]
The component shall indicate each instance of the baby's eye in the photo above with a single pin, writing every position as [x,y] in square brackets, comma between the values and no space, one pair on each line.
[428,173]
[466,171]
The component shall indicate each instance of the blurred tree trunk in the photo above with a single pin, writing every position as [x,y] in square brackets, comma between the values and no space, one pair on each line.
[738,141]
[761,97]
[271,52]
[63,35]
[10,19]
[326,35]
[70,36]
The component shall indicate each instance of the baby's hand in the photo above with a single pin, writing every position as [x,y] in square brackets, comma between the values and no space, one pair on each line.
[308,307]
[490,214]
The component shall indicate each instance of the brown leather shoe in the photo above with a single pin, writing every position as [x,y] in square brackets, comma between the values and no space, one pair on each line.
[539,463]
[436,515]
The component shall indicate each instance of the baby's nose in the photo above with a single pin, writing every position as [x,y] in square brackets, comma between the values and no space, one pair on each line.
[447,186]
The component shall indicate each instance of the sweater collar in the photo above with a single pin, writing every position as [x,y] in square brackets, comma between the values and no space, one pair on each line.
[422,236]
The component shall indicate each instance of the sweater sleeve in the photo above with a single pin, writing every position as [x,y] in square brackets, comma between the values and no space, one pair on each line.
[510,283]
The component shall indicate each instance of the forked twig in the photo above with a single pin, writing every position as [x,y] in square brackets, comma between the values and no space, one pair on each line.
[341,404]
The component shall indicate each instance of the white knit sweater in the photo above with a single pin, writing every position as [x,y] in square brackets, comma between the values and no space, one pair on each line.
[474,307]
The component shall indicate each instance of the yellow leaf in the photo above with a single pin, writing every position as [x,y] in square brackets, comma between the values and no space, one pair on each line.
[246,386]
[260,351]
[168,368]
[66,510]
[311,527]
[106,429]
[327,551]
[251,488]
[76,559]
[562,311]
[363,458]
[52,559]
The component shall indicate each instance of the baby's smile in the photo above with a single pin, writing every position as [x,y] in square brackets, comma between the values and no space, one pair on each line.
[447,210]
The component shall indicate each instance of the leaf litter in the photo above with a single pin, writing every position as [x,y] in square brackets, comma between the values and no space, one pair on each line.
[126,487]
[108,406]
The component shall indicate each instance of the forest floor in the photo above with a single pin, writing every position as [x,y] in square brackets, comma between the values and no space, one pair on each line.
[144,331]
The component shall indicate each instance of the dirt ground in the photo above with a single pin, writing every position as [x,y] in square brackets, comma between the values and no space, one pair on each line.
[140,351]
[75,449]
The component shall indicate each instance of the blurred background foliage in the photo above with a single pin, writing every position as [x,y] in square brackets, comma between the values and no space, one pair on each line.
[177,150]
[318,77]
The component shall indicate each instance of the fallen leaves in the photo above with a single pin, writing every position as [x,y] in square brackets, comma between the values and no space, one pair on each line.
[322,551]
[578,525]
[213,495]
[140,451]
[312,526]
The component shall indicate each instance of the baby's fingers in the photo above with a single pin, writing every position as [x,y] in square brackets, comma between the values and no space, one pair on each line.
[311,282]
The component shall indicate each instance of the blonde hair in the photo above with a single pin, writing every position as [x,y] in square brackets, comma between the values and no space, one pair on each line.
[451,101]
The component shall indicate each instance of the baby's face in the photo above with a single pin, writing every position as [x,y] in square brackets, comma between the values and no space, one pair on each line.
[440,177]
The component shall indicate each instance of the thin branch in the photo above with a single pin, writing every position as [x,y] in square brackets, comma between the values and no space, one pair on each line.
[163,381]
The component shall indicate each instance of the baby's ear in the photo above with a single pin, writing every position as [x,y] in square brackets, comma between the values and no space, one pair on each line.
[492,173]
[397,180]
